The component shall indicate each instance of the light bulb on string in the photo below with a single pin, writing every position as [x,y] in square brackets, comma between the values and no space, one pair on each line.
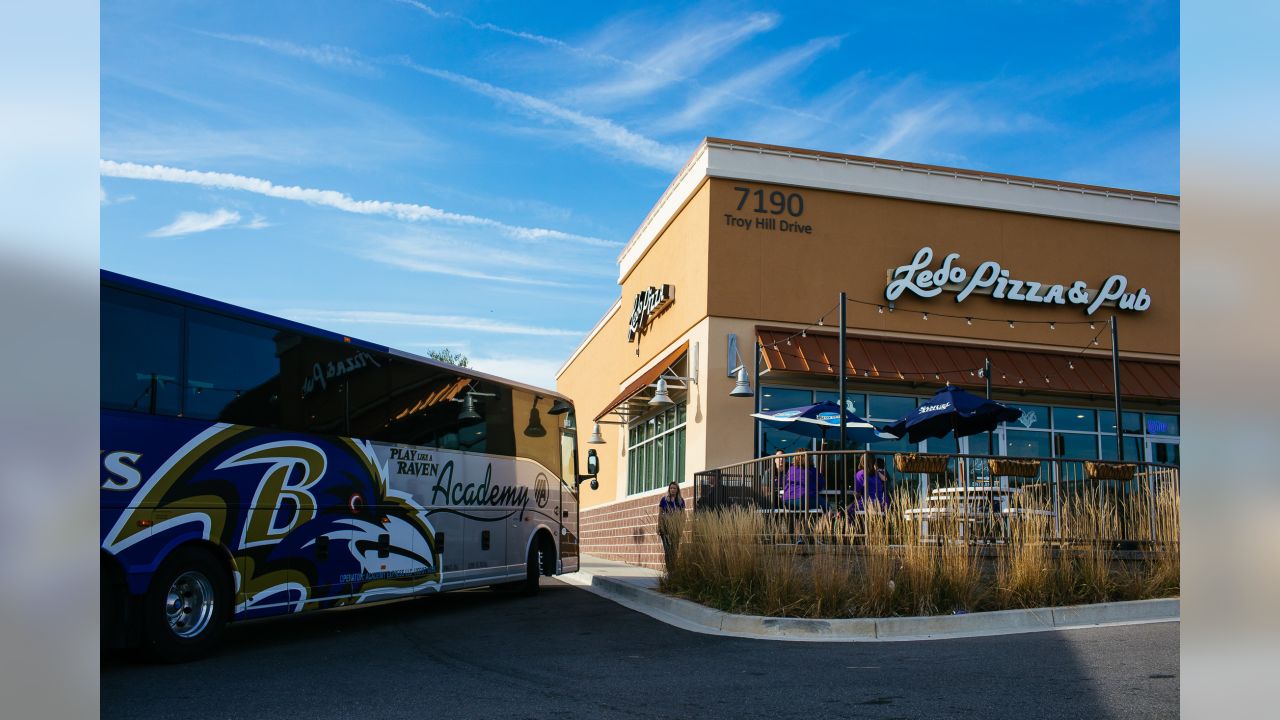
[968,321]
[880,309]
[924,316]
[1010,324]
[1053,326]
[1071,365]
[1095,341]
[1092,326]
[802,334]
[1046,380]
[1019,381]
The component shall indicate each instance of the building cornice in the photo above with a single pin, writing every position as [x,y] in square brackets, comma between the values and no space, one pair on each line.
[755,162]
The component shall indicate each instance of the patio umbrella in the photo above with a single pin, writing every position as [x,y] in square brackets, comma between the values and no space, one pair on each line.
[952,410]
[817,420]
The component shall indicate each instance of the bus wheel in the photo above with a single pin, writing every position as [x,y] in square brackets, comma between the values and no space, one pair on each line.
[533,568]
[186,607]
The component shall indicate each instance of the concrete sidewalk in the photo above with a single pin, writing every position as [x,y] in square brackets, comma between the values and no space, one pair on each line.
[636,588]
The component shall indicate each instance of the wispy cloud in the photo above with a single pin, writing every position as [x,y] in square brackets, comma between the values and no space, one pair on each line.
[458,259]
[625,143]
[699,42]
[257,223]
[633,146]
[759,77]
[533,37]
[680,58]
[334,199]
[918,121]
[106,199]
[444,322]
[327,55]
[188,223]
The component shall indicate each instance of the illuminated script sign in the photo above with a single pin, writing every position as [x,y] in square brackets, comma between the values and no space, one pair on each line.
[647,305]
[989,278]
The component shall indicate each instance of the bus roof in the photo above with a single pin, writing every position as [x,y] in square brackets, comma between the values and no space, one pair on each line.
[143,286]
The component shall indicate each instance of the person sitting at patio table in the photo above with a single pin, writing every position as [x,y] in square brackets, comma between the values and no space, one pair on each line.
[870,490]
[800,487]
[710,495]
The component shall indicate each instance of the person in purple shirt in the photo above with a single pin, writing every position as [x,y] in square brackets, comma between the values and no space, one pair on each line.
[800,487]
[672,502]
[870,490]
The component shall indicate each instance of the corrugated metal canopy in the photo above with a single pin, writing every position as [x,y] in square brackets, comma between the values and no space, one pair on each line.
[890,359]
[631,401]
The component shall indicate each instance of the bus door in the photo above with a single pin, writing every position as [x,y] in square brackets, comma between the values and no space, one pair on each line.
[567,507]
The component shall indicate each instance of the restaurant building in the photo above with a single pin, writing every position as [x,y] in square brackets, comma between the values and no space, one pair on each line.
[741,263]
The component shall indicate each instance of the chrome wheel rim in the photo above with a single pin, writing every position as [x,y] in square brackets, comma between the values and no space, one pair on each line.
[188,606]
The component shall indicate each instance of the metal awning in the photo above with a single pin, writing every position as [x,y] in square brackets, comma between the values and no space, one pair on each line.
[873,358]
[633,401]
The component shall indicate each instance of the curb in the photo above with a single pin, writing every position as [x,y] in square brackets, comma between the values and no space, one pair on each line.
[694,617]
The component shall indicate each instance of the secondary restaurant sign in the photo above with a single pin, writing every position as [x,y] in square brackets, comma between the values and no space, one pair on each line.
[648,303]
[920,279]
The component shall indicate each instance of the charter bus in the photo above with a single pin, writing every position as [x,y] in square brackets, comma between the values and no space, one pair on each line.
[254,467]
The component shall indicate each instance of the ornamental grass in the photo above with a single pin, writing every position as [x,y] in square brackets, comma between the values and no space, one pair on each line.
[890,564]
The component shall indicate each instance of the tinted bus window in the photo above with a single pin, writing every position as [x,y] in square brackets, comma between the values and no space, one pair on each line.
[426,404]
[141,346]
[537,434]
[366,382]
[233,370]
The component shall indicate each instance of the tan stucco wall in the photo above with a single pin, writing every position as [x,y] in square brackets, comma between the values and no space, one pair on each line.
[607,362]
[787,277]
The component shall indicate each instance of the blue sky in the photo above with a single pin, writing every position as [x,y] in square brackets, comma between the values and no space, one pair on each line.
[464,174]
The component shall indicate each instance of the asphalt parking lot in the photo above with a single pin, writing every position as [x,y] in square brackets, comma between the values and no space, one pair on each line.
[570,654]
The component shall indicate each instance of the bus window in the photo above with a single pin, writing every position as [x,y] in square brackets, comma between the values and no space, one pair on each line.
[537,434]
[141,344]
[425,404]
[233,370]
[366,385]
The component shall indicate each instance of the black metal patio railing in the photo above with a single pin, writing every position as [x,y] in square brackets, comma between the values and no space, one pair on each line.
[970,497]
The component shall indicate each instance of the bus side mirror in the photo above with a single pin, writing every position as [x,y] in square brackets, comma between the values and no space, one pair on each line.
[593,469]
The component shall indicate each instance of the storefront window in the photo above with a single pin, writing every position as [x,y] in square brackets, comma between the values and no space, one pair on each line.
[1075,445]
[1022,443]
[1133,451]
[948,445]
[1162,424]
[772,398]
[1132,422]
[655,452]
[1074,419]
[1033,416]
[856,402]
[890,407]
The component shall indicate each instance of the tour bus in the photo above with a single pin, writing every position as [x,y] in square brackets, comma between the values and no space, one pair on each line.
[253,467]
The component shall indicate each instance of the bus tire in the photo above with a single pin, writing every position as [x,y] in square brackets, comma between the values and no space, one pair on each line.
[533,568]
[185,610]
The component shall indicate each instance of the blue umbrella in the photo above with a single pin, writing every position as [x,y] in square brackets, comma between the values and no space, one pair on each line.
[952,410]
[817,420]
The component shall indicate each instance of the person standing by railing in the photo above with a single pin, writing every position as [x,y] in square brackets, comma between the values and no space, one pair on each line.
[668,507]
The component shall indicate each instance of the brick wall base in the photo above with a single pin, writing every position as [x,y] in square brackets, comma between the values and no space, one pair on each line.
[627,531]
